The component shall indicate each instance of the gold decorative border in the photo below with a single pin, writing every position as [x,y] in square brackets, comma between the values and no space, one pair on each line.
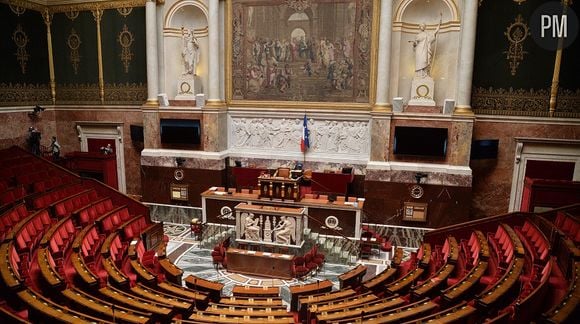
[371,78]
[78,93]
[524,102]
[24,94]
[126,93]
[85,6]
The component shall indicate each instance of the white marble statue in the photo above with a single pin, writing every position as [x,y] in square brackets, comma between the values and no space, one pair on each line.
[285,230]
[251,228]
[424,49]
[190,51]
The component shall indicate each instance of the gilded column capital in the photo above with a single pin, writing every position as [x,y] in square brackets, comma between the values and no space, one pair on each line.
[97,14]
[47,17]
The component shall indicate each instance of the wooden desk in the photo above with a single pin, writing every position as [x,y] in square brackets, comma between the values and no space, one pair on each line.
[378,281]
[491,296]
[52,278]
[10,277]
[452,293]
[433,282]
[310,289]
[160,311]
[273,265]
[115,276]
[171,271]
[252,301]
[278,188]
[347,213]
[424,262]
[453,249]
[82,270]
[405,282]
[484,246]
[213,288]
[306,302]
[353,277]
[248,291]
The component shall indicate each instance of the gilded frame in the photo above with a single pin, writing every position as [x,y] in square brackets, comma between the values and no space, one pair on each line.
[235,100]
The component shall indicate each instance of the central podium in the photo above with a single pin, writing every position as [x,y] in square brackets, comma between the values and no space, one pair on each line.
[269,225]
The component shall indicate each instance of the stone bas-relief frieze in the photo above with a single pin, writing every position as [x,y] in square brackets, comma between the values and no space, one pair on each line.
[326,136]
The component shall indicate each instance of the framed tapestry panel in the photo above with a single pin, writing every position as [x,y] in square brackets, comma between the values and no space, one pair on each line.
[315,52]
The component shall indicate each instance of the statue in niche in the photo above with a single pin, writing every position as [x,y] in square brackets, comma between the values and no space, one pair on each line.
[285,230]
[190,51]
[251,228]
[424,50]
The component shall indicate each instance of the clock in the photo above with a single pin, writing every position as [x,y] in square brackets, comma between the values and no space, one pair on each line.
[417,191]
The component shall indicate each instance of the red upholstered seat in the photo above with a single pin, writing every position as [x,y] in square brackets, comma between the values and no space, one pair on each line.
[299,269]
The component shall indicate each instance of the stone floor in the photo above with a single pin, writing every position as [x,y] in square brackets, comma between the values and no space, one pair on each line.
[185,252]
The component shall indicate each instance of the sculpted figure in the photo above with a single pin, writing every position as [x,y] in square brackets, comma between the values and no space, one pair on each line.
[190,51]
[423,47]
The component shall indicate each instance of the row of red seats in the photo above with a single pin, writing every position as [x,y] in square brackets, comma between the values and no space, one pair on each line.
[67,205]
[60,237]
[92,212]
[12,195]
[11,217]
[569,225]
[535,242]
[20,168]
[46,199]
[502,245]
[113,219]
[28,232]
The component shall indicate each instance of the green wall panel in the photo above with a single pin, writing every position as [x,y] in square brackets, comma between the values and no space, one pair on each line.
[491,67]
[85,27]
[36,68]
[114,68]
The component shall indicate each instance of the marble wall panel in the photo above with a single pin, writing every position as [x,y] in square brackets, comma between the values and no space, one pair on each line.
[447,205]
[492,179]
[68,137]
[173,214]
[380,139]
[157,181]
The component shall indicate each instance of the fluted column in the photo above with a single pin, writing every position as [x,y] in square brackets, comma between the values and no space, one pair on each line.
[151,128]
[383,102]
[214,49]
[160,49]
[466,55]
[151,45]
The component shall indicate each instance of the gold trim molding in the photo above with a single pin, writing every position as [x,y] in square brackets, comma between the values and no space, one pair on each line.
[126,93]
[524,102]
[78,93]
[18,94]
[85,6]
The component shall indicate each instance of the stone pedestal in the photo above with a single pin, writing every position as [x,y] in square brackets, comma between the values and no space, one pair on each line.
[187,87]
[422,91]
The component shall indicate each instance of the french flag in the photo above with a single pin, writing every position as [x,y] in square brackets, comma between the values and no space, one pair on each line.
[305,140]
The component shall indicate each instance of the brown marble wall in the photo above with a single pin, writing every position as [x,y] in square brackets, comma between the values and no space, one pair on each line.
[492,179]
[380,138]
[214,134]
[157,181]
[14,129]
[151,128]
[68,137]
[384,203]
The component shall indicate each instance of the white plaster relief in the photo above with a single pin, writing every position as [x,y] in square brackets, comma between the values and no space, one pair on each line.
[326,136]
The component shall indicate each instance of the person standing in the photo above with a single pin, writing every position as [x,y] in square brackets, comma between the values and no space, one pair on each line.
[55,148]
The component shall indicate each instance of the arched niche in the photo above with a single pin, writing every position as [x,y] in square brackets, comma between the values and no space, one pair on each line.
[407,16]
[191,14]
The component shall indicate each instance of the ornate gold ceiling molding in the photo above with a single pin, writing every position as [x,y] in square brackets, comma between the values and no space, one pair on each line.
[74,5]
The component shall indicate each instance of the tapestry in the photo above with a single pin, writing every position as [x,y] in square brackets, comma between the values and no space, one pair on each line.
[301,50]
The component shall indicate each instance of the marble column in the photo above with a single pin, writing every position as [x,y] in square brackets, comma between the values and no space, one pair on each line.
[214,49]
[160,49]
[466,55]
[151,46]
[151,131]
[383,102]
